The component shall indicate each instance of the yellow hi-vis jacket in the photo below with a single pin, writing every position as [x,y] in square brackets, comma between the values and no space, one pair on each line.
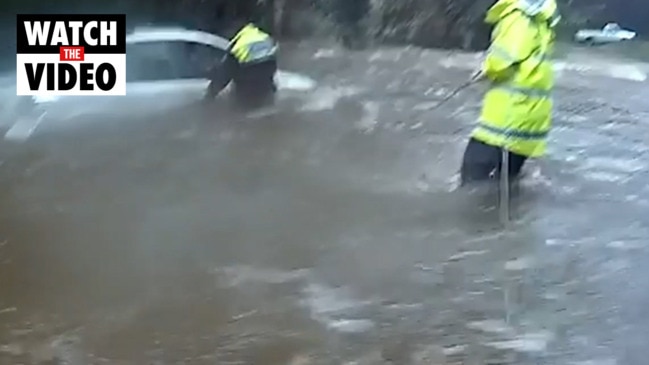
[517,110]
[251,45]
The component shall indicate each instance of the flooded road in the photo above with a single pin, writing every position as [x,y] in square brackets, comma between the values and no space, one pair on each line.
[328,231]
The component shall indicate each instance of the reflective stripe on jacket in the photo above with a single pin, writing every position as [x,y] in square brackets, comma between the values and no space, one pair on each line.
[517,110]
[251,45]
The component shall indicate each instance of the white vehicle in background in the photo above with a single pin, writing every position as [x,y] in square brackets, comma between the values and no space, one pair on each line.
[611,33]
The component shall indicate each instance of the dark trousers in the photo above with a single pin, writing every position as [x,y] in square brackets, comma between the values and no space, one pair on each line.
[349,15]
[483,162]
[253,83]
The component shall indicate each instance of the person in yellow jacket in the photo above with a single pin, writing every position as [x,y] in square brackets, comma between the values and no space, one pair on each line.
[517,109]
[251,65]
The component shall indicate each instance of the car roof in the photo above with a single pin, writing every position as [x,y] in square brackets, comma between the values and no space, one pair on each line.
[156,34]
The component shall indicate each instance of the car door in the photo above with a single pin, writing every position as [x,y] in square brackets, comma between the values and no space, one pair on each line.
[198,62]
[610,33]
[155,78]
[177,71]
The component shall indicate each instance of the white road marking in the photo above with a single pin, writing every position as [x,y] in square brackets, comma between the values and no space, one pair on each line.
[24,128]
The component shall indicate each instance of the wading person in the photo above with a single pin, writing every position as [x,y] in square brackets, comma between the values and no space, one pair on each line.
[349,16]
[251,64]
[516,111]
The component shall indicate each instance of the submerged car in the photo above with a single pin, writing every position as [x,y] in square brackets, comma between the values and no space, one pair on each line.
[611,33]
[166,69]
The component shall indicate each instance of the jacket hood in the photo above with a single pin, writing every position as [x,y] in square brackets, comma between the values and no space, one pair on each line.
[542,10]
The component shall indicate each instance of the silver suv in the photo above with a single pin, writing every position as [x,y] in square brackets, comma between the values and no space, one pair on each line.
[166,68]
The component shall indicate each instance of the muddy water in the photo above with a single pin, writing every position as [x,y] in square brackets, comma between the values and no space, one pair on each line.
[327,231]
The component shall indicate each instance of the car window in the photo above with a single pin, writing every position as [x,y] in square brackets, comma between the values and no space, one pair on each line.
[151,61]
[198,59]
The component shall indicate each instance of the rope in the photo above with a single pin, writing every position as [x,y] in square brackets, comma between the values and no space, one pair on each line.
[504,200]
